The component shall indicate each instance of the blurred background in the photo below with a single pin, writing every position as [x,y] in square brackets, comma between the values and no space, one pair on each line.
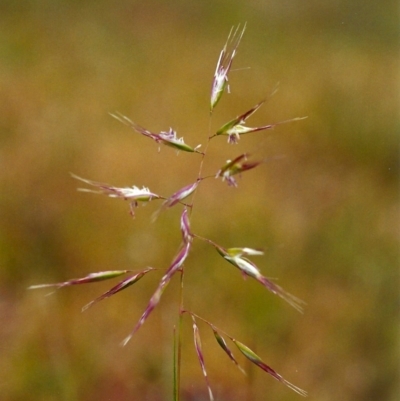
[325,208]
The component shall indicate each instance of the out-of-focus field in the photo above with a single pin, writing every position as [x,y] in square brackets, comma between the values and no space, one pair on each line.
[325,207]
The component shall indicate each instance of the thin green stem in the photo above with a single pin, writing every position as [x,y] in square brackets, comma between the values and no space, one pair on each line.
[178,344]
[206,240]
[175,370]
[202,159]
[178,334]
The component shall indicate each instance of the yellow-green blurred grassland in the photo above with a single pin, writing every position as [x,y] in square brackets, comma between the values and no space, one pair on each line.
[325,210]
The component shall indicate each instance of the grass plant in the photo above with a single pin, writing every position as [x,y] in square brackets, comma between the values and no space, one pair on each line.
[236,256]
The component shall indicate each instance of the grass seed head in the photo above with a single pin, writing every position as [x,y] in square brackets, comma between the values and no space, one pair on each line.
[220,81]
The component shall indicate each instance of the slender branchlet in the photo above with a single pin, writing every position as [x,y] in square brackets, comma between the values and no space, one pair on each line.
[236,256]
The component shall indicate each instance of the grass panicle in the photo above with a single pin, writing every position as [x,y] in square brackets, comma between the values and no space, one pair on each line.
[236,256]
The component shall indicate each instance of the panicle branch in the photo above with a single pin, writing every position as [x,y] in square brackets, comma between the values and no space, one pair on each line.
[168,138]
[119,287]
[246,351]
[236,127]
[90,278]
[236,257]
[253,357]
[133,194]
[200,356]
[155,299]
[235,166]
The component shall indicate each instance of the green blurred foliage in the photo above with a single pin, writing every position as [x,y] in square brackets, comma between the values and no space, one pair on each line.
[325,208]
